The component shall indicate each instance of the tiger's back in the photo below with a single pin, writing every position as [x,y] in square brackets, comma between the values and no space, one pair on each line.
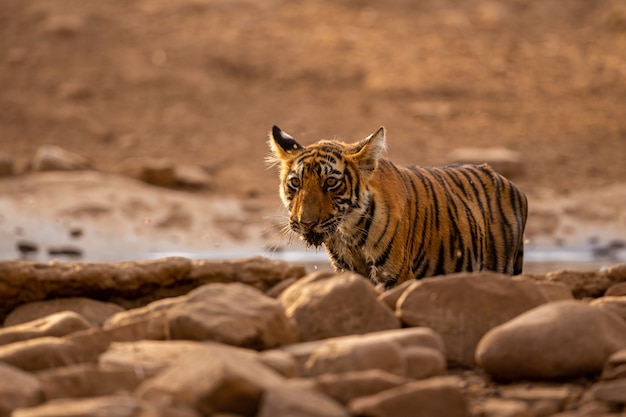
[395,223]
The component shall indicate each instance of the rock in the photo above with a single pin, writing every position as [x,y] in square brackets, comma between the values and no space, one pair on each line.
[582,283]
[87,380]
[58,324]
[617,273]
[433,397]
[617,305]
[397,352]
[356,354]
[423,362]
[7,166]
[616,290]
[192,177]
[279,288]
[217,379]
[615,366]
[345,387]
[258,272]
[532,345]
[293,401]
[402,338]
[554,291]
[496,407]
[74,91]
[145,357]
[159,172]
[30,281]
[17,389]
[504,161]
[280,361]
[54,158]
[613,392]
[79,347]
[94,311]
[391,297]
[313,303]
[463,307]
[235,314]
[109,406]
[64,25]
[541,400]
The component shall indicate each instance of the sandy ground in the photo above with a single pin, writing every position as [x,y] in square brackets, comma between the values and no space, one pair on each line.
[201,82]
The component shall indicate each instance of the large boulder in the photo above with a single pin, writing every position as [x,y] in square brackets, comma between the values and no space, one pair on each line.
[328,305]
[463,307]
[559,339]
[28,281]
[217,379]
[235,314]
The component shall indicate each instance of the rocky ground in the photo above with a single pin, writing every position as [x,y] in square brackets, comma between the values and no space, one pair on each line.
[136,130]
[174,337]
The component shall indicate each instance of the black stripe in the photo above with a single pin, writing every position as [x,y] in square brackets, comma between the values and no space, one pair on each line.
[369,216]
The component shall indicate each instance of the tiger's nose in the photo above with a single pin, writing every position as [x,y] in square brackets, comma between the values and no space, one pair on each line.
[307,225]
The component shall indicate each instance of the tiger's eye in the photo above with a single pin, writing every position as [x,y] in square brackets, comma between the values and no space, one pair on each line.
[331,182]
[294,182]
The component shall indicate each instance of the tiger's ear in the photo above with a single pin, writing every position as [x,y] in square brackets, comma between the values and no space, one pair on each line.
[369,151]
[283,147]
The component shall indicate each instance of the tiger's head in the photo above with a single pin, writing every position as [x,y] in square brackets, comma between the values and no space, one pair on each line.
[324,185]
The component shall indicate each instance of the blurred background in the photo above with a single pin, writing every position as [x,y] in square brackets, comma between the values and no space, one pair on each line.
[132,129]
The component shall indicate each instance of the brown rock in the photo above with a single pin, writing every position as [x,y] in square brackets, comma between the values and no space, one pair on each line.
[160,172]
[86,380]
[391,297]
[496,407]
[615,366]
[463,307]
[422,362]
[294,401]
[54,158]
[403,338]
[541,400]
[58,324]
[40,353]
[345,387]
[192,177]
[110,406]
[617,305]
[356,354]
[218,379]
[280,361]
[141,313]
[616,290]
[234,314]
[617,273]
[94,311]
[7,166]
[17,389]
[583,283]
[146,357]
[29,281]
[258,272]
[613,392]
[313,302]
[532,345]
[433,397]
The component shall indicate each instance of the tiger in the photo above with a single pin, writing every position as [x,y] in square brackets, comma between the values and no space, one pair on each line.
[394,223]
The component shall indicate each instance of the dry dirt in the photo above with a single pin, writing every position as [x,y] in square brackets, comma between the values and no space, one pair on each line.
[202,81]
